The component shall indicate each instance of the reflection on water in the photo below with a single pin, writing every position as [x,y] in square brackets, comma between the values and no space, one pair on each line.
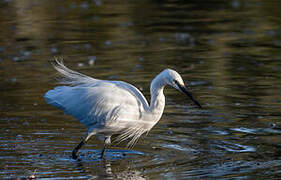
[106,171]
[227,51]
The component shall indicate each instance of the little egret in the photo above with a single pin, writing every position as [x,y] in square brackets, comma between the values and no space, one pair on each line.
[112,107]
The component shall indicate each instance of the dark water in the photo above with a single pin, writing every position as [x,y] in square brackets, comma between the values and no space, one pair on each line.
[229,52]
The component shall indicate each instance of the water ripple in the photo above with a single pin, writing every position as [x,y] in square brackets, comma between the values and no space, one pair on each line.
[234,147]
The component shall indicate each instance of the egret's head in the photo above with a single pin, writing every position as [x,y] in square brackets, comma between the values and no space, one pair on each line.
[174,79]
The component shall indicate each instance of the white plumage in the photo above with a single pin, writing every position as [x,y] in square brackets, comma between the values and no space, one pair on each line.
[111,107]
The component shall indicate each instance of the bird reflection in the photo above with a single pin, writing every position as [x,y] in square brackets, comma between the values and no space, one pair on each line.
[106,169]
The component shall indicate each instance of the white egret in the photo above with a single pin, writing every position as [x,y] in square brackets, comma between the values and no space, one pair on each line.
[112,107]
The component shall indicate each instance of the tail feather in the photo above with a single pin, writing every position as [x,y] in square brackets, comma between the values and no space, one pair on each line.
[71,77]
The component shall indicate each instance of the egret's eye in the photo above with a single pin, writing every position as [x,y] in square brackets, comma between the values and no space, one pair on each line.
[176,82]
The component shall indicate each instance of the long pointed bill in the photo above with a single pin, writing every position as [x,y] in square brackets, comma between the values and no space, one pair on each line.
[184,90]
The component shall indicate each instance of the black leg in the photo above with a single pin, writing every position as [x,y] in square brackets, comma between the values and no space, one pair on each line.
[103,151]
[107,141]
[76,149]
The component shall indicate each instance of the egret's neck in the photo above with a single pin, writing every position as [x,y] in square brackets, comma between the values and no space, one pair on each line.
[157,102]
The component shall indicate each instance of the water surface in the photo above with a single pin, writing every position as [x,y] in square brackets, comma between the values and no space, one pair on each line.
[228,52]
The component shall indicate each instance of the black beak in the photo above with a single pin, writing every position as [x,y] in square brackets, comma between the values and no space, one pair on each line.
[185,91]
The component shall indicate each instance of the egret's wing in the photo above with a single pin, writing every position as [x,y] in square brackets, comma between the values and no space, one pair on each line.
[83,103]
[96,102]
[70,100]
[102,102]
[75,78]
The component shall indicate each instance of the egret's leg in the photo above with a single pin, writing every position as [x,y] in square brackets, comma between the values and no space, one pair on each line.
[107,142]
[76,149]
[103,151]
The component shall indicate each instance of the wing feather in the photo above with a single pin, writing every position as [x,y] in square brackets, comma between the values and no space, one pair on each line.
[97,103]
[71,77]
